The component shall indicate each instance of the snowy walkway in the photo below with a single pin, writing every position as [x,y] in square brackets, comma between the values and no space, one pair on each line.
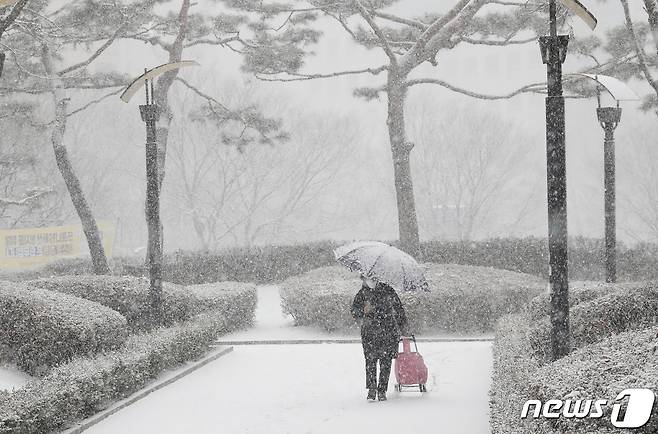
[313,388]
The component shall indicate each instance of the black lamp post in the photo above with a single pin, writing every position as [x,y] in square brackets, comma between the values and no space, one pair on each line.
[150,113]
[609,118]
[553,51]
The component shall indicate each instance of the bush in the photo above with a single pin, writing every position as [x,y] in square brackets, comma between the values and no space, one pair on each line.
[41,328]
[463,298]
[87,385]
[276,263]
[600,371]
[237,301]
[597,311]
[130,296]
[517,378]
[513,367]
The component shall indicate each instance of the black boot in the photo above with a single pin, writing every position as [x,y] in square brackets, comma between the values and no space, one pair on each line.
[381,396]
[372,394]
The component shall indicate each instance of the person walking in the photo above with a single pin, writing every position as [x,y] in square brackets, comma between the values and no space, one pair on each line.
[381,315]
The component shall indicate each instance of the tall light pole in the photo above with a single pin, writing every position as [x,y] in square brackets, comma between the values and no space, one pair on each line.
[609,118]
[150,113]
[554,51]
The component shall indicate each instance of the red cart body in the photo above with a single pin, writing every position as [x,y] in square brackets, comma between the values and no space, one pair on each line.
[410,368]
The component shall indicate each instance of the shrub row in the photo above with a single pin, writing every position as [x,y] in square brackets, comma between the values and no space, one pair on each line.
[130,296]
[276,263]
[40,328]
[462,298]
[517,378]
[601,371]
[597,311]
[87,385]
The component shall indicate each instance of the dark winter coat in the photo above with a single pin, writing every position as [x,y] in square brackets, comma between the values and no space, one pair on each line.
[381,328]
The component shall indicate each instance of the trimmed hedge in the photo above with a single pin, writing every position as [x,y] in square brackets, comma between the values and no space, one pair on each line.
[600,371]
[276,263]
[86,386]
[41,329]
[130,296]
[597,311]
[513,368]
[463,298]
[515,381]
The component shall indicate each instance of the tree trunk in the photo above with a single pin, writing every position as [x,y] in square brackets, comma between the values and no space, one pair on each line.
[401,149]
[89,226]
[652,10]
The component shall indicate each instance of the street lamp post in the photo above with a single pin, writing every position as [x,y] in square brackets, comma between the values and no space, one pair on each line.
[609,118]
[553,49]
[150,113]
[554,52]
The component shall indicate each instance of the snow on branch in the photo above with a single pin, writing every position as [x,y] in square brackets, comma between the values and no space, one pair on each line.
[530,88]
[303,77]
[378,32]
[32,195]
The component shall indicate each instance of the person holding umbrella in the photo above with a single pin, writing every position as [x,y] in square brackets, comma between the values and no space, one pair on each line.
[379,311]
[377,307]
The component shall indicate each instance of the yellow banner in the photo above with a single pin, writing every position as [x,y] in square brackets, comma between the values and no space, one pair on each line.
[32,247]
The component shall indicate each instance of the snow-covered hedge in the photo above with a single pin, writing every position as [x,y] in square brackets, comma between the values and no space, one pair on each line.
[597,311]
[87,385]
[236,300]
[40,328]
[513,367]
[130,295]
[600,371]
[517,378]
[462,298]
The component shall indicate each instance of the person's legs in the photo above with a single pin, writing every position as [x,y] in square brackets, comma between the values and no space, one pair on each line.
[371,372]
[384,374]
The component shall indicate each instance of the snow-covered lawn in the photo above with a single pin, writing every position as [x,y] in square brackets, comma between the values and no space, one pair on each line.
[12,378]
[311,388]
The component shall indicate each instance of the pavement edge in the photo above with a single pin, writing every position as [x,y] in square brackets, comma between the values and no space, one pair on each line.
[98,417]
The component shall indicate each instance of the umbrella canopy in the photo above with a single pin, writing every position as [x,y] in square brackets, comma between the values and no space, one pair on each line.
[383,263]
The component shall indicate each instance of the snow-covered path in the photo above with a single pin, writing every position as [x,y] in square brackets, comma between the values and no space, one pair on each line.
[311,388]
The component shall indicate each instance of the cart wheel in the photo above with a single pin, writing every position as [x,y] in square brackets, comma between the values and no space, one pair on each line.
[423,388]
[398,387]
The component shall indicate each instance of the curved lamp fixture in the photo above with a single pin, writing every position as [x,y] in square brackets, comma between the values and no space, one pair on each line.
[581,11]
[615,87]
[150,74]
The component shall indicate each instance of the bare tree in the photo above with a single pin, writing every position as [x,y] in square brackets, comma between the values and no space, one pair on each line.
[468,162]
[258,194]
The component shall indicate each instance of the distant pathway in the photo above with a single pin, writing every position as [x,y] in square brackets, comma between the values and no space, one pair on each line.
[314,388]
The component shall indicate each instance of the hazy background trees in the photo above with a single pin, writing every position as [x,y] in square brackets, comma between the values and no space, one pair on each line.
[327,172]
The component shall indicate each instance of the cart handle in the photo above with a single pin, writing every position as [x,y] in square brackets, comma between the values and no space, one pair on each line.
[412,337]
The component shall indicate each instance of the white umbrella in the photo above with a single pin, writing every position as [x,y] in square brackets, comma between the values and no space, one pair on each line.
[383,263]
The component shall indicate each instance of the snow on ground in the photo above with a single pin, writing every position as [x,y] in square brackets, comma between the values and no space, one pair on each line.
[311,388]
[12,378]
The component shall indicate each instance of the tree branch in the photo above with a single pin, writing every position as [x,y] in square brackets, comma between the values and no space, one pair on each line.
[435,28]
[641,55]
[378,32]
[93,57]
[32,196]
[530,88]
[15,12]
[502,43]
[400,20]
[303,77]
